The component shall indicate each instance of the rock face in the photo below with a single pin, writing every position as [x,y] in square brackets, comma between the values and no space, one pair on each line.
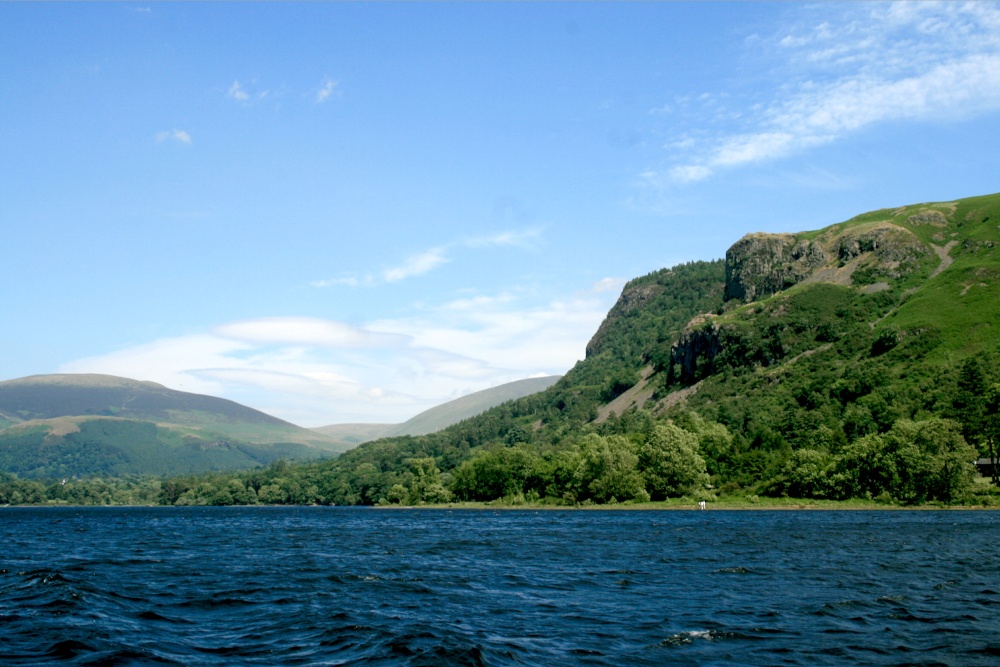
[887,244]
[761,264]
[867,255]
[693,353]
[931,217]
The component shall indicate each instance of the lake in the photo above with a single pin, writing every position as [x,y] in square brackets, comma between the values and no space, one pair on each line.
[330,586]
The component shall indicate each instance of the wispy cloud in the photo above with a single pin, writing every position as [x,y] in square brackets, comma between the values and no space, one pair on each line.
[250,94]
[350,281]
[316,371]
[329,87]
[238,92]
[856,68]
[180,136]
[416,265]
[525,238]
[306,331]
[429,260]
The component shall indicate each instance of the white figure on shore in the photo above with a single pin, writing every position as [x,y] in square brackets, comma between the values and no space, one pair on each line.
[701,505]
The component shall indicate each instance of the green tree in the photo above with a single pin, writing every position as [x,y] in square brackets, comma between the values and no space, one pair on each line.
[671,463]
[991,429]
[608,469]
[865,467]
[934,462]
[494,474]
[272,494]
[397,494]
[805,474]
[969,401]
[426,485]
[913,462]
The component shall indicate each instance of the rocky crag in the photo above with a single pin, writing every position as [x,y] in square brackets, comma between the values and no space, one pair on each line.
[891,250]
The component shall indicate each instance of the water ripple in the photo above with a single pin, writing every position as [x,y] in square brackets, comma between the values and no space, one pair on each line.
[323,586]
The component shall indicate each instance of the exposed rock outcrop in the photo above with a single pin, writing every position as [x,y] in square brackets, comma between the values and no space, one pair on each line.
[868,256]
[929,217]
[761,264]
[692,355]
[885,242]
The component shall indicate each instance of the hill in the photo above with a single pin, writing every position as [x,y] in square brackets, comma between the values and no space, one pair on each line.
[66,425]
[860,359]
[441,416]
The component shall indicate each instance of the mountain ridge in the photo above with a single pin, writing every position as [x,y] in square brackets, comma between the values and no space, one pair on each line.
[91,424]
[441,416]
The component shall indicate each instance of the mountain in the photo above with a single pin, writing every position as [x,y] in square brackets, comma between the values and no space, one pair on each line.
[441,416]
[793,365]
[65,425]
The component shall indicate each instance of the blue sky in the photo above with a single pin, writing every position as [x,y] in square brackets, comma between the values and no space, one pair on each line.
[340,212]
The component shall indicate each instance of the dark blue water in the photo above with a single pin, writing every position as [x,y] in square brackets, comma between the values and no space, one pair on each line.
[266,586]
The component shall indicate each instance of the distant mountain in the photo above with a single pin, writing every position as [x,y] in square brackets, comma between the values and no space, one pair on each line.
[441,416]
[64,425]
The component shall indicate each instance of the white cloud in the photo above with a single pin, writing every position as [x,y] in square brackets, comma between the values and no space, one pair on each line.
[328,88]
[179,136]
[238,93]
[167,361]
[433,258]
[416,265]
[862,66]
[312,371]
[521,238]
[305,331]
[690,172]
[478,302]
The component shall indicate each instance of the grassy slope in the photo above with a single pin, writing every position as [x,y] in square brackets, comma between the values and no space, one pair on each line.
[962,304]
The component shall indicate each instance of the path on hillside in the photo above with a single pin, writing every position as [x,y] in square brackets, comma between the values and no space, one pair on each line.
[946,259]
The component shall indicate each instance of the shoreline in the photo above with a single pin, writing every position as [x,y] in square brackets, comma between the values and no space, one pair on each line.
[727,507]
[676,505]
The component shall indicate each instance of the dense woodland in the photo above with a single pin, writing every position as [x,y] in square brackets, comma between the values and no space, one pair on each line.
[819,390]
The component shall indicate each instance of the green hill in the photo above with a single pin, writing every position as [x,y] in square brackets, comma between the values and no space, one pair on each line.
[788,367]
[67,425]
[441,416]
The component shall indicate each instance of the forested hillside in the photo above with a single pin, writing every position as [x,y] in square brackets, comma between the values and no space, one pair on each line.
[857,361]
[101,425]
